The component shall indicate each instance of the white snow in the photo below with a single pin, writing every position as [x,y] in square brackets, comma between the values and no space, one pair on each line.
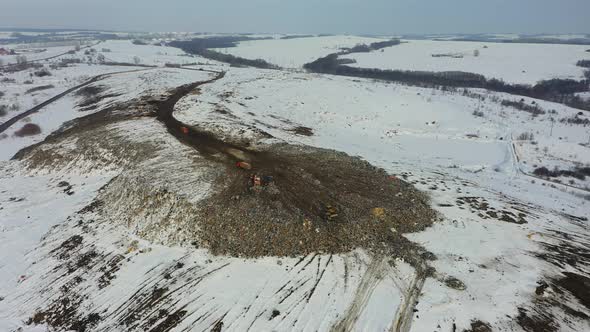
[294,53]
[511,62]
[33,53]
[125,51]
[127,85]
[25,217]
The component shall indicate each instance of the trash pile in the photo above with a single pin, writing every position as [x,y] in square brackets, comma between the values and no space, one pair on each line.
[279,200]
[292,200]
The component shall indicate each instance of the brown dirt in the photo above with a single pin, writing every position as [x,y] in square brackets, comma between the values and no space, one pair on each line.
[302,131]
[578,286]
[536,321]
[479,326]
[39,88]
[319,201]
[91,95]
[29,129]
[454,283]
[485,211]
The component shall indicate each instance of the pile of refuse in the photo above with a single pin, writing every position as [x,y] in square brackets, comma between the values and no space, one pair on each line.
[293,200]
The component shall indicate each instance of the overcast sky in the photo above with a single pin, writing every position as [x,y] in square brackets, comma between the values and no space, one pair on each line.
[303,16]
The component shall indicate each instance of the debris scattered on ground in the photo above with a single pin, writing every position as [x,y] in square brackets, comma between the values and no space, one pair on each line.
[244,165]
[302,131]
[455,283]
[275,313]
[67,187]
[310,200]
[479,326]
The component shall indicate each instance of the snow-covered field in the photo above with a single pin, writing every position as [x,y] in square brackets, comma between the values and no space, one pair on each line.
[34,54]
[125,51]
[294,53]
[514,63]
[501,233]
[408,124]
[124,83]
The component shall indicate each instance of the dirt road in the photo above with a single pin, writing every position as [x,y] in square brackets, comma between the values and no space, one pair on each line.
[51,57]
[53,99]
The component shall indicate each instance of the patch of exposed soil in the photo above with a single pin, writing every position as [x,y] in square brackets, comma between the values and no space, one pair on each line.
[29,129]
[96,145]
[480,206]
[318,201]
[479,326]
[81,266]
[536,321]
[90,91]
[67,247]
[455,283]
[63,312]
[577,285]
[565,253]
[302,131]
[92,95]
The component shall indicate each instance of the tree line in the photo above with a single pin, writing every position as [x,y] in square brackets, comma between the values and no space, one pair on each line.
[364,48]
[203,46]
[555,90]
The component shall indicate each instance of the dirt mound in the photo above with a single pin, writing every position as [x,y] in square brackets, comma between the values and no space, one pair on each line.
[317,201]
[289,201]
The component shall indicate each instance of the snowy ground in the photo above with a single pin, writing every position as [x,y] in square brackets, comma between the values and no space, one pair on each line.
[124,84]
[514,63]
[125,51]
[294,53]
[494,242]
[33,53]
[413,124]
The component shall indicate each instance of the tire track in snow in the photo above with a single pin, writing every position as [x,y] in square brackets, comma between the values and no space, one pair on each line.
[405,314]
[366,287]
[319,277]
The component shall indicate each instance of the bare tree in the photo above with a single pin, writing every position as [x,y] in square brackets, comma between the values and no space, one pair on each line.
[476,53]
[100,58]
[136,60]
